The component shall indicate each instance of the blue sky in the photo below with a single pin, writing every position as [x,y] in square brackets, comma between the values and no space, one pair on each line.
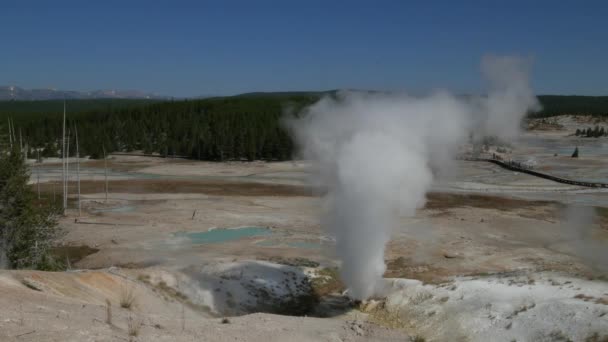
[190,48]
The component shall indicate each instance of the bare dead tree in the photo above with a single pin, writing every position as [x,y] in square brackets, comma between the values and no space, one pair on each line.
[78,170]
[13,130]
[10,140]
[67,169]
[10,129]
[105,167]
[10,134]
[20,142]
[63,160]
[38,173]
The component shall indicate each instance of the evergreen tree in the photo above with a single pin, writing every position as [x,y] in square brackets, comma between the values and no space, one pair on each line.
[231,128]
[26,230]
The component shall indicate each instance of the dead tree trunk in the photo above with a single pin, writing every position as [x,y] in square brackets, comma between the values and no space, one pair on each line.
[13,130]
[63,161]
[38,173]
[105,167]
[67,169]
[10,137]
[78,171]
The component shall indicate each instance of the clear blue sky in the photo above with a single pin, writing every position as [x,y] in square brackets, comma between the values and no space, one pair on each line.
[189,48]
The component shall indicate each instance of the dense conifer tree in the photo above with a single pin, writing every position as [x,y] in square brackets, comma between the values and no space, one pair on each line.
[26,229]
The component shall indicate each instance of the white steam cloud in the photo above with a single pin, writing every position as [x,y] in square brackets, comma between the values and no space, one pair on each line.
[375,152]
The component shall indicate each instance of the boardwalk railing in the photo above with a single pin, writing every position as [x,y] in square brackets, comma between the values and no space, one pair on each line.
[516,167]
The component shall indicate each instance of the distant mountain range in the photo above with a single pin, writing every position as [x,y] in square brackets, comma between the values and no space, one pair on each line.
[17,93]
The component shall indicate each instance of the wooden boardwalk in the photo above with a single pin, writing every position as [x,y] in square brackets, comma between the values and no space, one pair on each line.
[515,167]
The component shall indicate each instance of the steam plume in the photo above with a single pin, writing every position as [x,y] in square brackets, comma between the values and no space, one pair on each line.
[375,152]
[577,235]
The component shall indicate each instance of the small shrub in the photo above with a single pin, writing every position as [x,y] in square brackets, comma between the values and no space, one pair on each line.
[133,326]
[127,297]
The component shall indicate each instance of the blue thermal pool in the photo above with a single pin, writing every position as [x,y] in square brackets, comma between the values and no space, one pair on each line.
[224,235]
[121,209]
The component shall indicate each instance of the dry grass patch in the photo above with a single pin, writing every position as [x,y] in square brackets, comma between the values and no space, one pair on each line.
[535,209]
[169,293]
[127,297]
[172,186]
[403,267]
[326,282]
[438,200]
[133,326]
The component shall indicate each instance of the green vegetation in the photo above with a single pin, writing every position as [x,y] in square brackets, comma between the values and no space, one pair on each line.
[591,132]
[575,153]
[243,127]
[27,228]
[557,105]
[19,109]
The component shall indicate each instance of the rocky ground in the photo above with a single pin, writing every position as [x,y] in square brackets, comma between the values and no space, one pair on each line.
[73,307]
[492,254]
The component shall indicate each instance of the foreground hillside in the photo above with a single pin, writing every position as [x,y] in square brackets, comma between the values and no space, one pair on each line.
[180,244]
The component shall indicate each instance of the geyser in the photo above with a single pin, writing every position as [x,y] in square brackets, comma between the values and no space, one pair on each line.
[375,152]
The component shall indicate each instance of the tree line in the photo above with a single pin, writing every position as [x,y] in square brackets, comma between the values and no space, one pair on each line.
[227,128]
[553,105]
[244,127]
[591,132]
